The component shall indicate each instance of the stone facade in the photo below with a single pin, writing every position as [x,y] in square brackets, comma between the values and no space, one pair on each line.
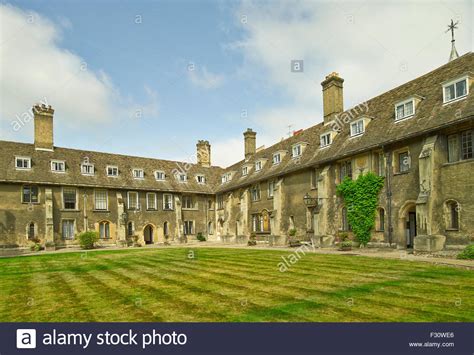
[425,157]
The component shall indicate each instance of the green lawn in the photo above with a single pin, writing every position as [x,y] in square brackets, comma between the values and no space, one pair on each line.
[229,285]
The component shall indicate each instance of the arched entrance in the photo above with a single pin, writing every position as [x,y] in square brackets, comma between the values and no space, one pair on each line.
[407,224]
[148,234]
[265,221]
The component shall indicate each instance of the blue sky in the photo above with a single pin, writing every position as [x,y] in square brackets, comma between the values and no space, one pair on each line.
[150,78]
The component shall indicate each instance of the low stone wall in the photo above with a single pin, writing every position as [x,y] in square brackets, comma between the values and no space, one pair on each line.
[429,243]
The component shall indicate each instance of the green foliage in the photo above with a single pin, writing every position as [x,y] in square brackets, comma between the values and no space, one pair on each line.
[201,237]
[87,240]
[35,247]
[467,253]
[361,196]
[346,244]
[292,232]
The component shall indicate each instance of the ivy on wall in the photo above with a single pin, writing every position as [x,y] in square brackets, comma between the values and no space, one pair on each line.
[360,197]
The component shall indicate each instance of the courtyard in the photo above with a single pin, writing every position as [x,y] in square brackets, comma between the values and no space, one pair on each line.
[187,284]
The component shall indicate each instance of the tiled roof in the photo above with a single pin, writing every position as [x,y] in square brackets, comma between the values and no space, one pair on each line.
[431,114]
[41,170]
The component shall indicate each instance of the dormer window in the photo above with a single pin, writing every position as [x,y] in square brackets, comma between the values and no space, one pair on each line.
[112,170]
[58,166]
[87,169]
[296,150]
[404,109]
[325,139]
[455,89]
[182,177]
[160,175]
[245,171]
[276,158]
[258,165]
[201,179]
[23,163]
[226,177]
[138,173]
[357,128]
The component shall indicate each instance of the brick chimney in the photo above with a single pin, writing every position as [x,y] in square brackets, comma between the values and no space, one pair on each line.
[203,153]
[250,141]
[333,102]
[43,126]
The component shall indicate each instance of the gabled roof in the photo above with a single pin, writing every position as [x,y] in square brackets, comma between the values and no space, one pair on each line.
[431,114]
[40,172]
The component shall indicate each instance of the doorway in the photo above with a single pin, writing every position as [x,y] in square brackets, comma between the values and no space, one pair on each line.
[148,234]
[411,228]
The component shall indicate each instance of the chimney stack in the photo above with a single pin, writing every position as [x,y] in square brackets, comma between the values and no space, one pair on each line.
[203,152]
[43,126]
[333,102]
[250,141]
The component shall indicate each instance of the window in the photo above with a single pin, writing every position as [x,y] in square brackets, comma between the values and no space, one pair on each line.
[455,90]
[257,223]
[182,177]
[226,177]
[188,202]
[112,170]
[151,201]
[104,230]
[69,198]
[255,192]
[404,109]
[30,194]
[133,203]
[188,227]
[314,178]
[58,166]
[357,128]
[31,231]
[68,229]
[258,166]
[345,226]
[403,162]
[276,158]
[345,170]
[460,146]
[296,150]
[160,175]
[453,208]
[138,173]
[130,228]
[245,171]
[209,204]
[165,229]
[381,220]
[220,202]
[210,228]
[325,139]
[87,169]
[167,201]
[22,163]
[201,179]
[100,200]
[379,164]
[271,188]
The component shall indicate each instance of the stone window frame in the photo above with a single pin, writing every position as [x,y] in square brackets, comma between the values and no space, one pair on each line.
[107,228]
[155,208]
[449,212]
[379,226]
[137,207]
[74,228]
[458,145]
[171,202]
[210,228]
[22,158]
[271,184]
[29,202]
[106,200]
[190,204]
[220,201]
[28,229]
[76,202]
[130,228]
[189,224]
[258,193]
[396,160]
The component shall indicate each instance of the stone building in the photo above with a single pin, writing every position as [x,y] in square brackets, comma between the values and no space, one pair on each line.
[419,136]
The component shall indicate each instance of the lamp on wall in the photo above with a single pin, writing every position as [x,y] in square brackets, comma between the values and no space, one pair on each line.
[310,201]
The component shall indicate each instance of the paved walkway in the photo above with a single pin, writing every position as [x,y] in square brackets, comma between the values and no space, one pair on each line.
[368,252]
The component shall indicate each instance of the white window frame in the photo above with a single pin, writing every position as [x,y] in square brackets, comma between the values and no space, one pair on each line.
[180,178]
[186,229]
[88,165]
[106,200]
[226,177]
[357,122]
[203,178]
[76,201]
[161,173]
[454,82]
[165,208]
[258,165]
[276,159]
[137,207]
[271,188]
[190,199]
[140,176]
[112,167]
[68,220]
[155,206]
[54,162]
[322,140]
[245,171]
[298,149]
[404,103]
[23,159]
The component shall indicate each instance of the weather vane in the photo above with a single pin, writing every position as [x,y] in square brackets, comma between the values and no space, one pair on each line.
[454,53]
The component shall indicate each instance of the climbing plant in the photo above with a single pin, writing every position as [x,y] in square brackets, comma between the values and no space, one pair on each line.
[360,197]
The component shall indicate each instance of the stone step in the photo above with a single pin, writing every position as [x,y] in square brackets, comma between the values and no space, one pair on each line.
[456,246]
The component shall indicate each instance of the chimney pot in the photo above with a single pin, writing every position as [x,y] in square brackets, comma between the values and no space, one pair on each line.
[43,119]
[250,143]
[333,100]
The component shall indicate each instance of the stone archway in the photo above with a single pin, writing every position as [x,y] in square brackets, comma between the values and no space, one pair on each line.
[407,227]
[148,234]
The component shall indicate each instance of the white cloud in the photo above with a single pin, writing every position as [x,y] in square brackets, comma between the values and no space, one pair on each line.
[375,46]
[35,68]
[203,78]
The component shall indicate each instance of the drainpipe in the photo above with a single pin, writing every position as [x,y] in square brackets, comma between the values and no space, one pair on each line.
[388,179]
[86,224]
